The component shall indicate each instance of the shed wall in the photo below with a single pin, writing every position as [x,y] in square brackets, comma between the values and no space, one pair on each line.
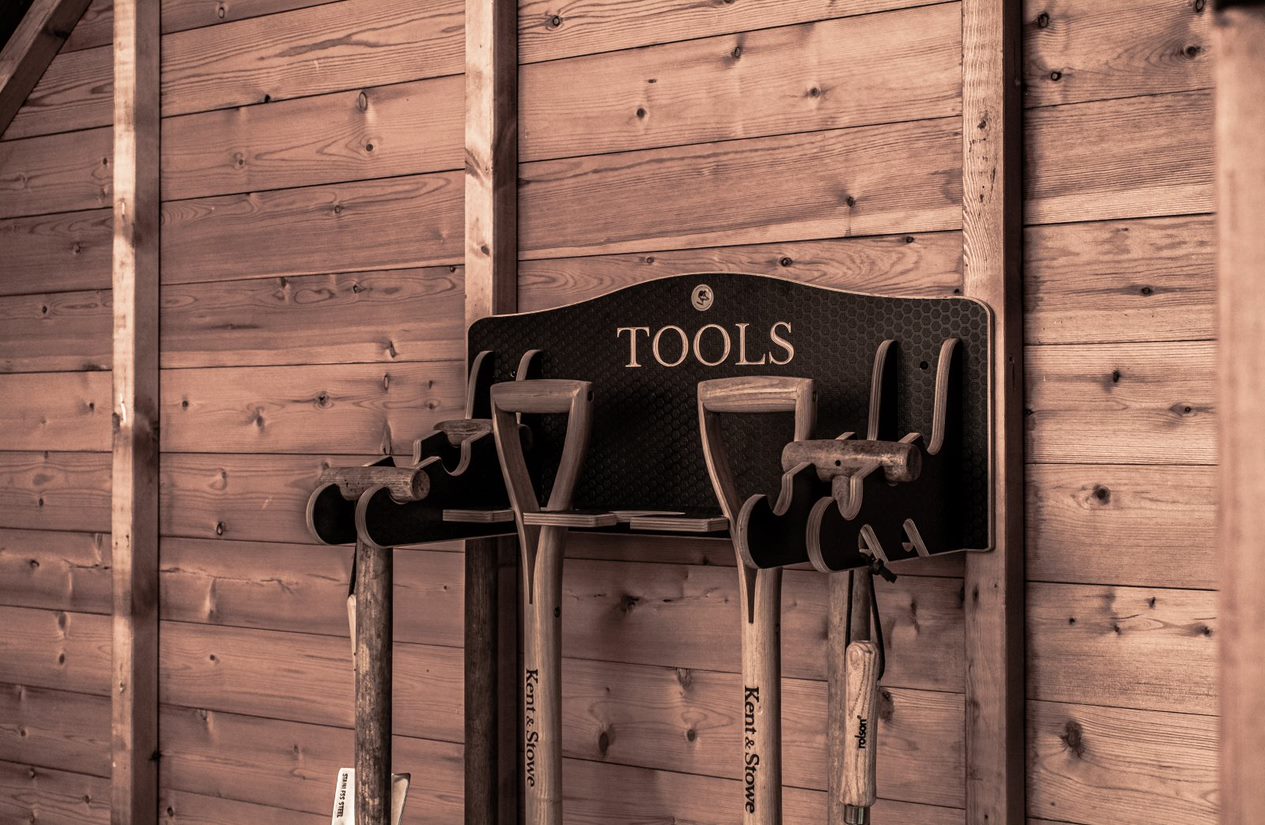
[312,312]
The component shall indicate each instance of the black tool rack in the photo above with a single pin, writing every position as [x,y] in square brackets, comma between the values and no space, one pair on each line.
[883,368]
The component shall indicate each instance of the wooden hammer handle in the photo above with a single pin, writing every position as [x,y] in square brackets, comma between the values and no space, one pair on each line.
[860,784]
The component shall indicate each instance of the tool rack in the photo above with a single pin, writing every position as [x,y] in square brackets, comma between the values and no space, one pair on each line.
[724,406]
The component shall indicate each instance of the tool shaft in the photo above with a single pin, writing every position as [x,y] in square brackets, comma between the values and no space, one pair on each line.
[373,684]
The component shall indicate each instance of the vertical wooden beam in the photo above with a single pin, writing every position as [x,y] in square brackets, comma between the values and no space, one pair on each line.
[134,513]
[1240,135]
[491,282]
[992,224]
[34,44]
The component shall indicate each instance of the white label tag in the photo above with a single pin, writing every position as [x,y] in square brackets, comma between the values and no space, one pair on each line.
[345,797]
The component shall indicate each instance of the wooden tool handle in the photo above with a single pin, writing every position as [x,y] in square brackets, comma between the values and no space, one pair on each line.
[757,394]
[542,395]
[899,460]
[860,784]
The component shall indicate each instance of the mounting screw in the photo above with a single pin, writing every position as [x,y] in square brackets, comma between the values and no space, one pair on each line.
[702,297]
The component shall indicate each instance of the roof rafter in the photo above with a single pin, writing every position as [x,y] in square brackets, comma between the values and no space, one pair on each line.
[37,40]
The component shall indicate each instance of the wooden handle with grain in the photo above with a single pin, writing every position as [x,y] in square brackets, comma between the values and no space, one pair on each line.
[860,783]
[756,394]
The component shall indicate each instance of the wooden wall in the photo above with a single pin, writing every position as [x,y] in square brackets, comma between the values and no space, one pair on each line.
[312,305]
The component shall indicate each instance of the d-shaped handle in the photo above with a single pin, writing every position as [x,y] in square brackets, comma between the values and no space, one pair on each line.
[541,396]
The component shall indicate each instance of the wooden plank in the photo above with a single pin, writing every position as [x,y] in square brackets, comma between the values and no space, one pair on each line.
[57,331]
[1078,50]
[1127,647]
[196,809]
[390,316]
[620,611]
[921,264]
[55,410]
[327,48]
[992,152]
[1135,280]
[68,571]
[1092,764]
[31,47]
[1240,121]
[55,729]
[490,230]
[346,227]
[255,497]
[371,407]
[55,491]
[624,795]
[303,588]
[1118,159]
[234,669]
[376,132]
[55,649]
[274,762]
[1121,403]
[69,251]
[682,719]
[853,71]
[31,794]
[56,173]
[1144,526]
[135,413]
[862,181]
[549,32]
[95,27]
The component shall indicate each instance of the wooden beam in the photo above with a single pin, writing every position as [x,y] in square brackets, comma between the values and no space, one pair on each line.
[134,521]
[992,157]
[34,44]
[1240,135]
[491,286]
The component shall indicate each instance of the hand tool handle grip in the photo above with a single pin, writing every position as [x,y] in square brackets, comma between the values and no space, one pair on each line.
[860,783]
[757,394]
[541,395]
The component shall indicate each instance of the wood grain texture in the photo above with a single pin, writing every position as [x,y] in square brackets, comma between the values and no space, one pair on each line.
[55,649]
[1146,526]
[375,132]
[1126,647]
[326,48]
[1240,119]
[58,331]
[95,27]
[55,410]
[686,719]
[389,316]
[31,47]
[863,181]
[32,794]
[1116,281]
[295,587]
[234,669]
[618,608]
[61,571]
[348,227]
[917,264]
[254,497]
[548,31]
[832,74]
[1092,764]
[371,407]
[55,729]
[69,251]
[55,491]
[198,809]
[1140,157]
[273,762]
[992,151]
[1078,50]
[1125,403]
[56,173]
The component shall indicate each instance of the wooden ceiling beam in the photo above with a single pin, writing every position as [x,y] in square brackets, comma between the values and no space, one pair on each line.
[34,44]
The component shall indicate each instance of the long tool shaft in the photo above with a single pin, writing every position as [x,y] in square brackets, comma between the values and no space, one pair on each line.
[373,684]
[762,700]
[542,682]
